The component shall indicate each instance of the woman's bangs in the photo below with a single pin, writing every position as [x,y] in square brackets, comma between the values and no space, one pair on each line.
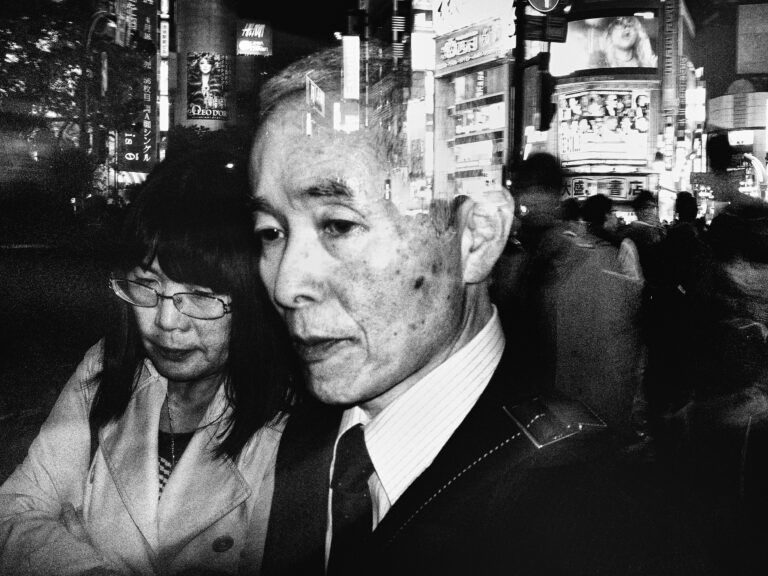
[189,259]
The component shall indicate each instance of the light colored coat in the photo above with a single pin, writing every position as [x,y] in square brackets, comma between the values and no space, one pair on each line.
[207,507]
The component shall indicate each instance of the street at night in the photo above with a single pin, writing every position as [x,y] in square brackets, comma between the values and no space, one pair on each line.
[386,287]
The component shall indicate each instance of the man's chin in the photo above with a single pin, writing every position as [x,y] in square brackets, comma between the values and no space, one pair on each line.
[337,392]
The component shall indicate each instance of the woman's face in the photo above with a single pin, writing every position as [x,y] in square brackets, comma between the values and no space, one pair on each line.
[624,33]
[205,66]
[183,349]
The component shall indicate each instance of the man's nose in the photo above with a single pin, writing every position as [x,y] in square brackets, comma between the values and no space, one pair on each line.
[167,316]
[298,281]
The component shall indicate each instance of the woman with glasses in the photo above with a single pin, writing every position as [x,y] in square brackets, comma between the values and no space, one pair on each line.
[155,454]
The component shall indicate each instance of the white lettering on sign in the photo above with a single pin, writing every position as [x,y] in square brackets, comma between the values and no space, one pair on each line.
[198,110]
[253,30]
[459,46]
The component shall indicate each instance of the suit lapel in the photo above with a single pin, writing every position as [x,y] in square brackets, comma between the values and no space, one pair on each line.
[486,431]
[297,523]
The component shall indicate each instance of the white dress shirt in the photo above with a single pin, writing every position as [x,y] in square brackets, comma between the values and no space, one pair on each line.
[405,437]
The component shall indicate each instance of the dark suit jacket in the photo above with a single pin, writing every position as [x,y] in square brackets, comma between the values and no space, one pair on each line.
[525,486]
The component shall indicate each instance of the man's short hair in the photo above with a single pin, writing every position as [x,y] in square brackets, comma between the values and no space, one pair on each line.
[596,209]
[382,119]
[686,207]
[644,200]
[540,170]
[719,152]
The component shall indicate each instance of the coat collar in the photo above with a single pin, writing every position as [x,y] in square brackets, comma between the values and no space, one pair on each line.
[189,503]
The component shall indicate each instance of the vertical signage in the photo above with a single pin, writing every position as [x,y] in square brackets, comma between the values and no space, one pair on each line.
[669,74]
[165,38]
[315,96]
[137,149]
[146,15]
[351,57]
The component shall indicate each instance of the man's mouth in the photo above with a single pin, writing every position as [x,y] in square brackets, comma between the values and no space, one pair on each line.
[318,348]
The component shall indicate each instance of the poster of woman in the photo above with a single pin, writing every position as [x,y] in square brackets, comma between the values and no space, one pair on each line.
[207,86]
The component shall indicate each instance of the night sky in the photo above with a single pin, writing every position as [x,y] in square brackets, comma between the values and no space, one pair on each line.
[316,19]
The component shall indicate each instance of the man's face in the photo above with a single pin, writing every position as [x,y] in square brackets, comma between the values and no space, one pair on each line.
[370,296]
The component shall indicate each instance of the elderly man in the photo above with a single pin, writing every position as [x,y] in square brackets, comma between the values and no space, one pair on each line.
[424,454]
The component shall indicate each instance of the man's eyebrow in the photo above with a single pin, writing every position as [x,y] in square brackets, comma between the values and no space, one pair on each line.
[330,188]
[335,188]
[261,204]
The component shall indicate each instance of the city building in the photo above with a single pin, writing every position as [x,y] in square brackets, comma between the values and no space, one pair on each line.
[733,37]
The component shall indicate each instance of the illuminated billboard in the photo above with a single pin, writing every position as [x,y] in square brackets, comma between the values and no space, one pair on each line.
[604,126]
[254,39]
[480,118]
[208,76]
[471,46]
[599,43]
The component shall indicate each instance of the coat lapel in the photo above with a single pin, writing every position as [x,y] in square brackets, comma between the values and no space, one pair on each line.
[130,450]
[202,488]
[295,542]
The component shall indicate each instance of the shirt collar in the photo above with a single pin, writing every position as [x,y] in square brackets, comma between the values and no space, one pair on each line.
[405,437]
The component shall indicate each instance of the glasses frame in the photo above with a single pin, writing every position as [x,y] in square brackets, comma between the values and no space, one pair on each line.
[172,297]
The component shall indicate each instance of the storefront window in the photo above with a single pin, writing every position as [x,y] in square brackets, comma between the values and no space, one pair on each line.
[479,84]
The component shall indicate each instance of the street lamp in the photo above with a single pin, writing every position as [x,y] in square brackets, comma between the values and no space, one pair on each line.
[97,17]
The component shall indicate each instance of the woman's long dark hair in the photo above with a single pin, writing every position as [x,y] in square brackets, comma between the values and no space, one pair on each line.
[193,215]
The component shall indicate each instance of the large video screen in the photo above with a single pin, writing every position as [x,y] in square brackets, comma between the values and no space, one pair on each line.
[628,41]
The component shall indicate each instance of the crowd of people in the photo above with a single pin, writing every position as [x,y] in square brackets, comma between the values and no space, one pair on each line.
[660,328]
[303,377]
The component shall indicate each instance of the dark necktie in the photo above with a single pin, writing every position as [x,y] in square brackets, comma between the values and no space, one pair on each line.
[352,517]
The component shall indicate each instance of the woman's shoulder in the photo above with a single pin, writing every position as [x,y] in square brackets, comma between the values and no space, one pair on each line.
[262,446]
[90,366]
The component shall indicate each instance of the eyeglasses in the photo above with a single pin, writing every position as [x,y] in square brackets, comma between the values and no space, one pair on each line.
[192,304]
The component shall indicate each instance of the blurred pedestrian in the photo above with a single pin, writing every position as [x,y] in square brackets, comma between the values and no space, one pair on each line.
[549,256]
[152,459]
[728,416]
[598,349]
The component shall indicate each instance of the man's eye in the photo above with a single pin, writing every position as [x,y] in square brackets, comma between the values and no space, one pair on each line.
[339,227]
[270,234]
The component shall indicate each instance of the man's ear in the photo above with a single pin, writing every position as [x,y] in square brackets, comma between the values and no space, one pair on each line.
[485,222]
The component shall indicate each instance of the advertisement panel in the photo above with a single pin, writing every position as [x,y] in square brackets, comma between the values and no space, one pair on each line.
[480,118]
[452,15]
[598,43]
[208,79]
[471,46]
[254,39]
[753,35]
[604,126]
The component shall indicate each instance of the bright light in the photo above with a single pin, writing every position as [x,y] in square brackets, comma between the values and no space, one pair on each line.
[645,15]
[338,35]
